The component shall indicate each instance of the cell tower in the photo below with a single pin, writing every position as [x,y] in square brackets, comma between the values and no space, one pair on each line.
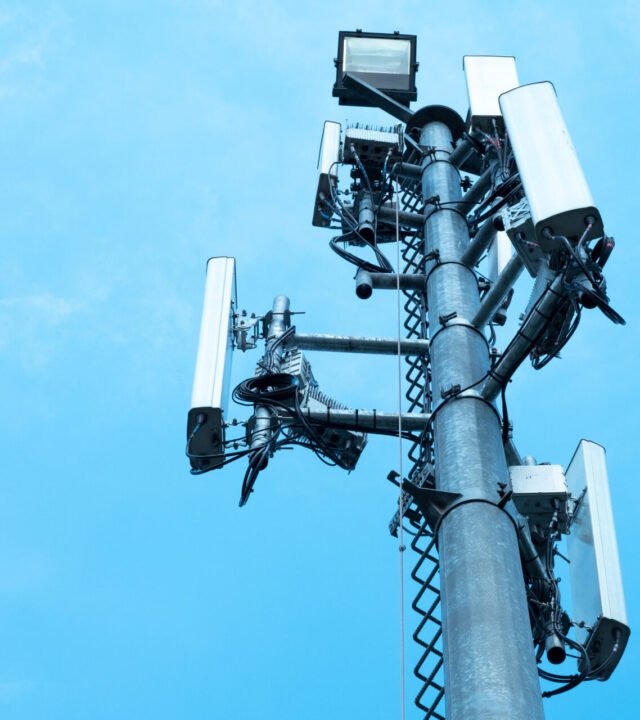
[485,522]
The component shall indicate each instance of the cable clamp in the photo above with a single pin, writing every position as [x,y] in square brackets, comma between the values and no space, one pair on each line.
[450,392]
[452,320]
[433,200]
[445,319]
[433,255]
[440,263]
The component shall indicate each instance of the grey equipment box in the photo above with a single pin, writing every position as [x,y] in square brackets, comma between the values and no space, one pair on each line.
[540,491]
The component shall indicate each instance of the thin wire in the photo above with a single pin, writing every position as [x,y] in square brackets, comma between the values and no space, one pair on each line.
[401,546]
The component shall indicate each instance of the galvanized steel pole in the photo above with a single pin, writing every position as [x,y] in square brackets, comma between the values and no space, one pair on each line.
[278,325]
[490,669]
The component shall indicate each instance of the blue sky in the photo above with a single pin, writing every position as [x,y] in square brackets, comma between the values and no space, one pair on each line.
[138,139]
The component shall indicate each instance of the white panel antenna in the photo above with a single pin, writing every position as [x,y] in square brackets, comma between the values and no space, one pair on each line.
[499,254]
[596,581]
[328,159]
[487,76]
[554,184]
[210,397]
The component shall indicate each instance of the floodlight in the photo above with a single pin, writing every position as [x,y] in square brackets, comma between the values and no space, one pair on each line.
[386,61]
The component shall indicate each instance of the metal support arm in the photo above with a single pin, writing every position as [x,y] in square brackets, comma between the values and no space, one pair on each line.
[521,345]
[387,213]
[476,248]
[407,170]
[462,151]
[368,420]
[476,191]
[356,344]
[377,98]
[493,299]
[389,281]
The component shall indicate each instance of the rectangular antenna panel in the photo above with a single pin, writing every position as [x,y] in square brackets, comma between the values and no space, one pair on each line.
[328,159]
[213,365]
[596,581]
[487,76]
[499,254]
[553,181]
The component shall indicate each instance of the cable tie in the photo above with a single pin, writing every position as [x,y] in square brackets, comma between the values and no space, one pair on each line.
[450,392]
[444,319]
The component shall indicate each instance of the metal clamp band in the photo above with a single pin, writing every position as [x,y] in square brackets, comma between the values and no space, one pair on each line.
[433,160]
[459,322]
[435,504]
[468,394]
[440,263]
[469,501]
[442,206]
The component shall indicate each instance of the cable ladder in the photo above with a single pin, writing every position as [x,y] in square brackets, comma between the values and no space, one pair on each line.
[428,634]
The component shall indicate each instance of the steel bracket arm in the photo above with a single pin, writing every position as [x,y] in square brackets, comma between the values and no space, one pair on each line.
[494,298]
[479,244]
[358,344]
[370,421]
[525,338]
[387,214]
[367,281]
[476,192]
[378,98]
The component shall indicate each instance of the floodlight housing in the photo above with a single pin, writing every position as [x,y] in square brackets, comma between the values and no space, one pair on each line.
[387,61]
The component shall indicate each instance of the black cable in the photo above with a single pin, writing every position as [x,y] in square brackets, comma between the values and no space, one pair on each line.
[598,295]
[208,456]
[350,220]
[505,417]
[478,219]
[347,218]
[384,266]
[519,333]
[539,364]
[497,191]
[271,388]
[352,147]
[257,463]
